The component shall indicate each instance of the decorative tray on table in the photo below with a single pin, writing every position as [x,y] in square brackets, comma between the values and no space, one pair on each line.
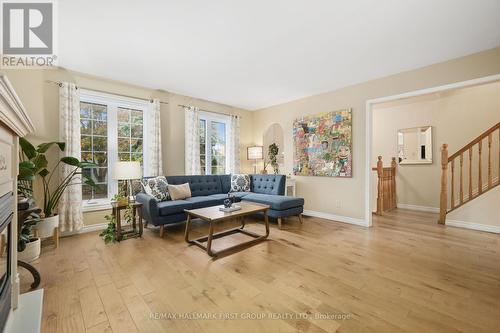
[233,208]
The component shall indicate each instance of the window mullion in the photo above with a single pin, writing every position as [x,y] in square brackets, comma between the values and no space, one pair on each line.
[112,147]
[208,147]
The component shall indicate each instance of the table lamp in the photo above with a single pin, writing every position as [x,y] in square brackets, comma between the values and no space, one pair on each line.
[127,171]
[255,153]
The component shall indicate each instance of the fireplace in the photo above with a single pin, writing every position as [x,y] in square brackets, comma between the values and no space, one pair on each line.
[6,215]
[14,123]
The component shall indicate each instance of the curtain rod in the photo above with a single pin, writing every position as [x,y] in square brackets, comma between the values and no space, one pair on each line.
[107,92]
[225,114]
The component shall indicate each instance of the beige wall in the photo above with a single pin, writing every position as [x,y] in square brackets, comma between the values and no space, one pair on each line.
[42,104]
[485,210]
[346,196]
[457,117]
[328,195]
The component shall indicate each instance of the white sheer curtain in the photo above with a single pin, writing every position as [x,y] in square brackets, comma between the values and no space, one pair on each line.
[70,204]
[192,141]
[154,160]
[234,145]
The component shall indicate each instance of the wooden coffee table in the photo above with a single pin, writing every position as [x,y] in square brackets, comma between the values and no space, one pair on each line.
[212,215]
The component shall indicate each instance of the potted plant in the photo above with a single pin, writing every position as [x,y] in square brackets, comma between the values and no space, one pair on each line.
[33,164]
[28,246]
[109,234]
[272,153]
[120,199]
[264,170]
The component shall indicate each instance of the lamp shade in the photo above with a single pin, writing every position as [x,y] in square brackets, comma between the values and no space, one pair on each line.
[255,153]
[127,170]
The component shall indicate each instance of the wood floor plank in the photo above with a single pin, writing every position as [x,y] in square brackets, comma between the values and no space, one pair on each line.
[117,313]
[406,274]
[92,308]
[103,327]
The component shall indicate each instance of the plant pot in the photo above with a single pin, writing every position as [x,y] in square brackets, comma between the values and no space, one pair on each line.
[31,252]
[122,202]
[263,172]
[45,227]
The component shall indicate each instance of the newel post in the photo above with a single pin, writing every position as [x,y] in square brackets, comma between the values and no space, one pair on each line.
[380,172]
[393,166]
[443,201]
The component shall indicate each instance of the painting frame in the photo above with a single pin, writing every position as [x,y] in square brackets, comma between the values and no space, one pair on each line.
[323,144]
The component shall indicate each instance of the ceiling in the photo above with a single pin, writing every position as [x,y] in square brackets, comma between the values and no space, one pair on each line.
[257,53]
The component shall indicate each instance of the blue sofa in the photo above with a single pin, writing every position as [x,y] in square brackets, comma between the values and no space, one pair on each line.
[211,190]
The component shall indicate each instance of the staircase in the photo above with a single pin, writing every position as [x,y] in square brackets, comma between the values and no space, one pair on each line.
[476,163]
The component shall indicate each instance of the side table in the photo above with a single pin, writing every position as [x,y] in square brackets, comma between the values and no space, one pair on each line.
[136,220]
[290,183]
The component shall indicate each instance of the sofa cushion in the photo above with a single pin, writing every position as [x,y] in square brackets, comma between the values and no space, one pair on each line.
[201,185]
[240,183]
[237,196]
[268,184]
[204,201]
[157,187]
[226,183]
[179,192]
[277,202]
[240,194]
[173,207]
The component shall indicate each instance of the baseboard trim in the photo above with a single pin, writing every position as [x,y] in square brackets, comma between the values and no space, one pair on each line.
[419,208]
[473,226]
[336,218]
[85,229]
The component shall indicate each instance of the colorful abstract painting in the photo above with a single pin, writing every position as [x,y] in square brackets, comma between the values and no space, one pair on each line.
[323,144]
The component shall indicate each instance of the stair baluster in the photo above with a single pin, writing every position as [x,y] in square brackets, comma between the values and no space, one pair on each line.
[492,181]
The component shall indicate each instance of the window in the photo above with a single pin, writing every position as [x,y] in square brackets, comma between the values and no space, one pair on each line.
[213,140]
[94,146]
[112,129]
[203,154]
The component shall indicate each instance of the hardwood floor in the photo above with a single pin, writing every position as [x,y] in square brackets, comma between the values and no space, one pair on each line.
[406,274]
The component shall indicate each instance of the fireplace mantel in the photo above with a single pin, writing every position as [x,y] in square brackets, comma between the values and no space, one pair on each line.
[14,123]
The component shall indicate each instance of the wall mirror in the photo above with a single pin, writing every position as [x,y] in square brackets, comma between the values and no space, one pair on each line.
[415,145]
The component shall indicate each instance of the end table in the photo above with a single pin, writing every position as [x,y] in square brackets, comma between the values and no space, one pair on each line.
[136,219]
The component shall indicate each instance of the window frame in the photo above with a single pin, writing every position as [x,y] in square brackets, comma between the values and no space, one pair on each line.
[219,118]
[113,102]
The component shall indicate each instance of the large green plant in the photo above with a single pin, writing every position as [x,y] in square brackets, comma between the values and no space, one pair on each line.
[33,163]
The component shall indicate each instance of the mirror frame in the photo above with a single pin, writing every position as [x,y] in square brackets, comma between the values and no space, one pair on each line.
[421,161]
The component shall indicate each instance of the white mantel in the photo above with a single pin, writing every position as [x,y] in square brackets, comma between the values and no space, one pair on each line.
[14,123]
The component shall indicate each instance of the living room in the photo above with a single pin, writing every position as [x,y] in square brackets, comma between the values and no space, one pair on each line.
[214,166]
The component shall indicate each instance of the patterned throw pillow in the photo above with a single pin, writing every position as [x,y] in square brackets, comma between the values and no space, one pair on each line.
[157,187]
[137,187]
[240,183]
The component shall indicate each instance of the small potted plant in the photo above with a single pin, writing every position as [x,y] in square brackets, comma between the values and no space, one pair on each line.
[28,246]
[33,164]
[273,160]
[109,234]
[264,170]
[120,199]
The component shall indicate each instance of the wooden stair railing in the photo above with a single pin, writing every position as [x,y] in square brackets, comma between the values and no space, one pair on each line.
[386,186]
[458,159]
